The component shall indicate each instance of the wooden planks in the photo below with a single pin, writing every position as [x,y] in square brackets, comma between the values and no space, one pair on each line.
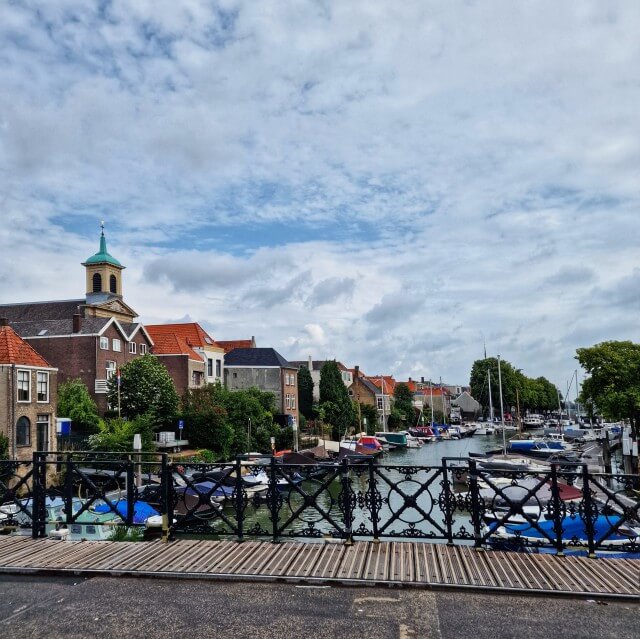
[432,565]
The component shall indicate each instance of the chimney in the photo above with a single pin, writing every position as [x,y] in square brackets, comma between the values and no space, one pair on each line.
[409,380]
[77,322]
[356,372]
[422,380]
[4,321]
[310,364]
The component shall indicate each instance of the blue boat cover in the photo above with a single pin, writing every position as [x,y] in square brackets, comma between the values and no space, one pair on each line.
[571,527]
[141,510]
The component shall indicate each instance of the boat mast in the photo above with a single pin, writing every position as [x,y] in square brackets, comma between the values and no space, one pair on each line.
[431,391]
[490,398]
[384,415]
[444,414]
[504,436]
[577,404]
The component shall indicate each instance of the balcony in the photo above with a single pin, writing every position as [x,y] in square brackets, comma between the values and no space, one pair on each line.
[101,386]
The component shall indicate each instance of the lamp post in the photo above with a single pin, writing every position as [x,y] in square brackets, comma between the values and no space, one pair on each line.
[137,446]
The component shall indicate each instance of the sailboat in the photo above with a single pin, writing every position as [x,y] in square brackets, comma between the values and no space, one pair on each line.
[488,429]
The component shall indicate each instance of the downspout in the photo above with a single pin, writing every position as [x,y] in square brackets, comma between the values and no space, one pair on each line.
[12,411]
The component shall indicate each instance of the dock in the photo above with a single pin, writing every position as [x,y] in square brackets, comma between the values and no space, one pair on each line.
[398,564]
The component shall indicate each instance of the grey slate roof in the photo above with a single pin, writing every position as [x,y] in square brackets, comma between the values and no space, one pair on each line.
[89,326]
[37,311]
[256,357]
[370,385]
[317,364]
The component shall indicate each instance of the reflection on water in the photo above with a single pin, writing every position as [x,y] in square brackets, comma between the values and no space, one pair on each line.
[318,511]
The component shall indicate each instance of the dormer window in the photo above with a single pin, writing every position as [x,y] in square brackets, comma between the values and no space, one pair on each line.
[97,283]
[113,284]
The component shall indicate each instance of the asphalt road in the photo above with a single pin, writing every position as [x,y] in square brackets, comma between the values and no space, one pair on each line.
[149,608]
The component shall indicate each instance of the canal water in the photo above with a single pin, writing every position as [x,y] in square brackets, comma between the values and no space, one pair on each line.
[393,486]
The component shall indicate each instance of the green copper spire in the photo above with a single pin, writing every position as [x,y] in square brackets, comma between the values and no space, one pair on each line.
[103,256]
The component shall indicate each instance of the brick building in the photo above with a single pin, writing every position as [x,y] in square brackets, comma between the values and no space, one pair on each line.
[28,393]
[87,338]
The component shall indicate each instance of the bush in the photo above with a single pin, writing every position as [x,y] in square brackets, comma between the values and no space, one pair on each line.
[117,434]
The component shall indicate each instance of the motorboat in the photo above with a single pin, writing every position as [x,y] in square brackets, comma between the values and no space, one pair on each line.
[395,440]
[365,441]
[413,442]
[485,429]
[423,433]
[533,421]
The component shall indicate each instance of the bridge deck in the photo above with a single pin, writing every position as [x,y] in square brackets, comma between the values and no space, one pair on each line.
[363,563]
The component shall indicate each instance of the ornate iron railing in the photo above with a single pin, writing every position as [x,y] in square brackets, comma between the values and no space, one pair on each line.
[459,501]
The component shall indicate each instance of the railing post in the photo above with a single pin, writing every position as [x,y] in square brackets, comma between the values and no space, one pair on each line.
[373,501]
[558,511]
[38,507]
[131,500]
[273,497]
[476,514]
[346,502]
[588,507]
[166,501]
[448,510]
[68,489]
[239,499]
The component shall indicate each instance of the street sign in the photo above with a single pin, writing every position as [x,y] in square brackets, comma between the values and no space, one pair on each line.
[181,424]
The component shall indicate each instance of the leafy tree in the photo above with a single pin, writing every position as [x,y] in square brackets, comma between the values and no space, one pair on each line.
[117,434]
[395,419]
[305,392]
[4,447]
[218,419]
[404,404]
[334,400]
[75,402]
[531,394]
[613,384]
[146,387]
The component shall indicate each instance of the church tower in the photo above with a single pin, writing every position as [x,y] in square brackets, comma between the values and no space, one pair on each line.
[104,285]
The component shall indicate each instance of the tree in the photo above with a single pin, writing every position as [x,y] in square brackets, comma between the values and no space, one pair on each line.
[305,392]
[117,434]
[404,404]
[334,400]
[613,384]
[370,413]
[145,387]
[4,447]
[75,402]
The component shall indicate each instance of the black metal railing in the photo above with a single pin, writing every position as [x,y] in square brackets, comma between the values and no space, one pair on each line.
[557,507]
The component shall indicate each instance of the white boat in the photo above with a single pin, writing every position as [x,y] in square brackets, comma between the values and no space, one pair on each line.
[485,429]
[413,442]
[533,421]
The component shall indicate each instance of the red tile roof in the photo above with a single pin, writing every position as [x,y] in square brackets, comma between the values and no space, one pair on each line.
[171,344]
[389,383]
[191,332]
[14,350]
[230,345]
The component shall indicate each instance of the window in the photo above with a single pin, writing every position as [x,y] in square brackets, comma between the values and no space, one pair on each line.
[113,284]
[104,343]
[379,400]
[218,368]
[293,379]
[115,345]
[42,432]
[293,401]
[235,375]
[143,349]
[24,386]
[209,367]
[111,369]
[132,348]
[287,401]
[97,283]
[23,432]
[43,386]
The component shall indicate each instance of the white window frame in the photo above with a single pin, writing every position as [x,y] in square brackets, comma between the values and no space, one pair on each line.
[143,349]
[116,345]
[293,379]
[110,370]
[210,367]
[19,382]
[104,343]
[44,419]
[133,349]
[45,375]
[293,402]
[218,368]
[380,402]
[287,401]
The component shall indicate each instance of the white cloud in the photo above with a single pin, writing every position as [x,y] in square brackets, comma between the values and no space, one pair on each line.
[406,177]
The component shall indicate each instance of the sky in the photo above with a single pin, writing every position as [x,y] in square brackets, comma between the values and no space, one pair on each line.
[391,184]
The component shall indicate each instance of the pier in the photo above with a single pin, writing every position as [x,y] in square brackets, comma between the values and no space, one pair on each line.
[399,564]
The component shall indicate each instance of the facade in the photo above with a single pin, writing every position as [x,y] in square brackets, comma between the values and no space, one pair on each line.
[199,341]
[266,369]
[87,338]
[315,366]
[28,395]
[384,385]
[469,407]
